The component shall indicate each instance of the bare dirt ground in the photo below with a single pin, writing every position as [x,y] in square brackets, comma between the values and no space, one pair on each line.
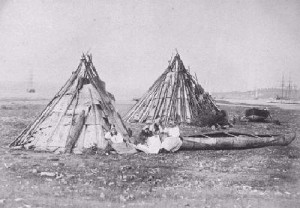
[265,177]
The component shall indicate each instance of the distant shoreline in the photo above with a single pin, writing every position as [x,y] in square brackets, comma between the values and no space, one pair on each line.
[220,102]
[257,103]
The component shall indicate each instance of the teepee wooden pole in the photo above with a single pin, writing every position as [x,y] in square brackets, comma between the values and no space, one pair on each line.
[161,111]
[152,96]
[158,103]
[150,104]
[70,136]
[173,97]
[161,98]
[94,112]
[106,102]
[36,135]
[197,86]
[63,114]
[181,99]
[132,111]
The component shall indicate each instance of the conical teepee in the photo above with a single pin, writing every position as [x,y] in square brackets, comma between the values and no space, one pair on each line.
[76,118]
[175,96]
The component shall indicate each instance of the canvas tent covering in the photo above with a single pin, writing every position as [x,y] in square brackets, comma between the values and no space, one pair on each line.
[175,96]
[76,118]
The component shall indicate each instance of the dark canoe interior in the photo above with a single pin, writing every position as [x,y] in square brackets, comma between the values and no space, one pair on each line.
[257,112]
[228,134]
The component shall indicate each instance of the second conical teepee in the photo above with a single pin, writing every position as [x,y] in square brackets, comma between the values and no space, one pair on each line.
[175,96]
[76,118]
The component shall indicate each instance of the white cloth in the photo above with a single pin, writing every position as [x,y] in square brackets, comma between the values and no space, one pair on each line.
[152,146]
[118,138]
[172,143]
[172,131]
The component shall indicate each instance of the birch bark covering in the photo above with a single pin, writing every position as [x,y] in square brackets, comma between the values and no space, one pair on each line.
[58,127]
[231,140]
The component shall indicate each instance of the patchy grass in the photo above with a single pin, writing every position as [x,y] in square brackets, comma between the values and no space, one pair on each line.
[266,177]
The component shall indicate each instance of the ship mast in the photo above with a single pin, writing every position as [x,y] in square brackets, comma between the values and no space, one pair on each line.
[30,88]
[282,86]
[289,88]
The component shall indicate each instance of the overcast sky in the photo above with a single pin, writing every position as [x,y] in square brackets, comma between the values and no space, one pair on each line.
[230,45]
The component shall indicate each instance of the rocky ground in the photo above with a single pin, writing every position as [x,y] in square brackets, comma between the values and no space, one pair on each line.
[265,177]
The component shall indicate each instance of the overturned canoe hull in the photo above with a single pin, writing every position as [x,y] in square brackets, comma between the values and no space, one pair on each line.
[256,115]
[232,140]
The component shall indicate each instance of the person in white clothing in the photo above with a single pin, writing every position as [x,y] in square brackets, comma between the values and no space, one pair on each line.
[113,136]
[172,142]
[118,144]
[150,143]
[172,131]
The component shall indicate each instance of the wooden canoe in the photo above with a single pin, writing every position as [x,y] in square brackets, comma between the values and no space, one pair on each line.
[234,140]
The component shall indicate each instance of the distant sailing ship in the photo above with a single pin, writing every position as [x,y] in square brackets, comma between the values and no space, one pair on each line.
[288,93]
[30,88]
[256,96]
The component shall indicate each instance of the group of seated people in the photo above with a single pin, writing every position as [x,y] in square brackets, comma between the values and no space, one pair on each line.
[153,138]
[156,138]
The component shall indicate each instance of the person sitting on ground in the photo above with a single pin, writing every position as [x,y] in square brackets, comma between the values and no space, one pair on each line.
[156,127]
[149,143]
[113,136]
[221,120]
[145,133]
[118,144]
[172,142]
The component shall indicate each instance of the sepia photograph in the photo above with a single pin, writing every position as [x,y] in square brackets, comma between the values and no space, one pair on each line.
[150,103]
